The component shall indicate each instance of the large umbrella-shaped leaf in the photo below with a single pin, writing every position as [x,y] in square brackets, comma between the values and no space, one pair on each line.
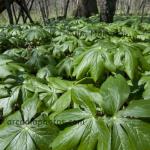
[74,93]
[137,109]
[16,134]
[35,35]
[126,58]
[115,92]
[145,80]
[48,71]
[8,102]
[65,67]
[94,62]
[9,67]
[94,129]
[30,107]
[45,93]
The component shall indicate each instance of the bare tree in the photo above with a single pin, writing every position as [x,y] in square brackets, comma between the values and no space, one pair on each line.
[128,4]
[83,8]
[6,4]
[143,8]
[86,8]
[66,8]
[107,10]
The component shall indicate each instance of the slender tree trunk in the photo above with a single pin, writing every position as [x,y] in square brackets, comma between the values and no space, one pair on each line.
[42,9]
[143,9]
[1,115]
[66,8]
[47,8]
[128,7]
[86,8]
[4,4]
[107,10]
[9,11]
[56,9]
[30,7]
[23,15]
[20,13]
[24,7]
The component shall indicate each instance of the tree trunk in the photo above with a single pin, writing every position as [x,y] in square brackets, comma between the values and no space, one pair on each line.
[9,11]
[143,9]
[107,10]
[23,6]
[66,8]
[43,11]
[128,6]
[86,8]
[3,4]
[6,4]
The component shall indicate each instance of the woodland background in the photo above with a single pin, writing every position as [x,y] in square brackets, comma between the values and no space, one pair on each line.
[55,8]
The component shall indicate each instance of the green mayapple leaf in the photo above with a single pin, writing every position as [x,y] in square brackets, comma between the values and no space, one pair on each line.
[59,84]
[115,92]
[65,67]
[137,109]
[145,80]
[72,115]
[84,134]
[126,58]
[75,94]
[16,134]
[38,61]
[87,79]
[4,90]
[130,134]
[93,62]
[7,103]
[88,134]
[104,126]
[45,93]
[9,67]
[30,107]
[62,102]
[35,35]
[69,138]
[4,59]
[45,72]
[68,46]
[18,54]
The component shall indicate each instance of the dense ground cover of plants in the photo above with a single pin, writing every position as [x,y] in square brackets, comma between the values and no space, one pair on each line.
[75,85]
